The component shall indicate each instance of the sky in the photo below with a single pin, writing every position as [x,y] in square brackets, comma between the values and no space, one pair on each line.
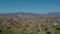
[32,6]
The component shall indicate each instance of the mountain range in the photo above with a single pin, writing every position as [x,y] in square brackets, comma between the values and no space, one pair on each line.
[30,14]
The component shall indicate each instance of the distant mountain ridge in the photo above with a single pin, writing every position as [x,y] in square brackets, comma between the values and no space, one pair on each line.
[31,14]
[21,13]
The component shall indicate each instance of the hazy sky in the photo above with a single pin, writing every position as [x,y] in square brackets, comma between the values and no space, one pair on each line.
[35,6]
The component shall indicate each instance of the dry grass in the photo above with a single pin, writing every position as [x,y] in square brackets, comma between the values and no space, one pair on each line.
[29,25]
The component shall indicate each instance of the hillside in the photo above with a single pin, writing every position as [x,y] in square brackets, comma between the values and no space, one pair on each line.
[29,25]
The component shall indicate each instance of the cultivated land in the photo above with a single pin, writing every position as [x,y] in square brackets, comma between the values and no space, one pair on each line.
[29,25]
